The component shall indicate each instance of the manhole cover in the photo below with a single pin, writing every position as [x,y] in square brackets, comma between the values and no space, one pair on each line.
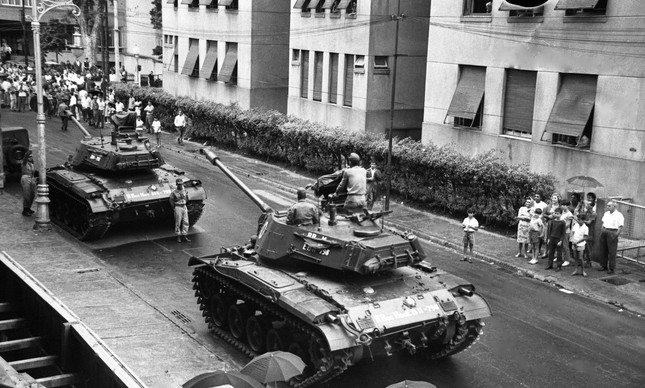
[616,280]
[179,315]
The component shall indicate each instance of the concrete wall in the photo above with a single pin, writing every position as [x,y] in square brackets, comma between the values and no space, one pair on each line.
[553,45]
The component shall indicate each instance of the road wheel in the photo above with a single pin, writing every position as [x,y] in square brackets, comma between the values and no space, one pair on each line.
[256,330]
[277,339]
[319,354]
[218,311]
[237,316]
[299,349]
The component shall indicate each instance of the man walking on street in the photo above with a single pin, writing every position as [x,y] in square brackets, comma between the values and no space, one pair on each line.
[180,126]
[612,225]
[178,200]
[63,113]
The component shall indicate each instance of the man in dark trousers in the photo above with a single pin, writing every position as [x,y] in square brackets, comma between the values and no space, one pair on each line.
[612,224]
[302,212]
[354,183]
[178,201]
[555,235]
[64,113]
[373,181]
[28,183]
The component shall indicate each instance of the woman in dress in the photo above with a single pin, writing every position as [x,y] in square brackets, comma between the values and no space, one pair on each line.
[524,218]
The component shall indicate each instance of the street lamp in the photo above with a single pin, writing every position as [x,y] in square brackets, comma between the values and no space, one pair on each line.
[42,191]
[136,52]
[77,49]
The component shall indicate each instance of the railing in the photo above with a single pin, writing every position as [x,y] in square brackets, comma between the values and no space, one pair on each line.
[634,228]
[635,254]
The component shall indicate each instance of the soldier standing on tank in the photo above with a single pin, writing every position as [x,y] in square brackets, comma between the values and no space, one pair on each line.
[302,212]
[178,200]
[28,184]
[354,182]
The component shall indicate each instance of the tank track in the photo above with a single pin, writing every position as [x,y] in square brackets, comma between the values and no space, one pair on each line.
[340,360]
[465,336]
[71,213]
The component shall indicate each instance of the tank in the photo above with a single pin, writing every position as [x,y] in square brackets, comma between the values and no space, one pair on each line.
[118,180]
[333,293]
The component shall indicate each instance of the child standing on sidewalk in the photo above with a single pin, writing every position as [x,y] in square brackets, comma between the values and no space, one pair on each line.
[579,232]
[470,225]
[536,230]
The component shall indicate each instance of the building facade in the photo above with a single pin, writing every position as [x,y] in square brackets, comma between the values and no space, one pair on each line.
[342,55]
[556,86]
[227,51]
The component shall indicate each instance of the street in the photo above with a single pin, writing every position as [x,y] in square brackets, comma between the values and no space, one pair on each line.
[538,336]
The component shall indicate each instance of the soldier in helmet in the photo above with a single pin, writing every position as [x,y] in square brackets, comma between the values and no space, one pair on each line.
[178,200]
[302,212]
[354,182]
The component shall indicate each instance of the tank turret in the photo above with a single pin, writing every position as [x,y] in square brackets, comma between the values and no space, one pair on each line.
[123,179]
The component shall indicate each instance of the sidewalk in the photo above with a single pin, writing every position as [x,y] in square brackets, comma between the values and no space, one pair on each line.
[625,289]
[158,350]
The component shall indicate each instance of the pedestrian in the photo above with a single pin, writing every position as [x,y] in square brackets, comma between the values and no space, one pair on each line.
[536,231]
[470,225]
[374,178]
[118,106]
[591,225]
[94,115]
[303,213]
[555,234]
[149,117]
[178,201]
[538,203]
[22,97]
[612,225]
[579,232]
[567,217]
[100,118]
[354,183]
[524,218]
[180,126]
[548,215]
[151,79]
[156,129]
[64,113]
[27,183]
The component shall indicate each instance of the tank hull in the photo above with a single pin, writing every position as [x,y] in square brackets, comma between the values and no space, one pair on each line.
[87,204]
[333,319]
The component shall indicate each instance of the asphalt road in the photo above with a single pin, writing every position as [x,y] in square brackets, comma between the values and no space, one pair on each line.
[538,336]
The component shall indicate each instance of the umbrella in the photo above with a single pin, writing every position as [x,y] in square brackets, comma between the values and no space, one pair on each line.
[584,181]
[222,379]
[274,366]
[412,384]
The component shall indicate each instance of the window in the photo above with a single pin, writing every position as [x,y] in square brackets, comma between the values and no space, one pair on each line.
[303,5]
[359,64]
[520,11]
[582,7]
[17,3]
[351,7]
[518,102]
[230,4]
[320,9]
[474,7]
[304,74]
[468,101]
[209,68]
[571,119]
[228,72]
[349,80]
[295,57]
[332,5]
[191,65]
[318,75]
[333,78]
[210,4]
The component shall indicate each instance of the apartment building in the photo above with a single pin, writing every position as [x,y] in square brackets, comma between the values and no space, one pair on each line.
[556,86]
[341,65]
[228,51]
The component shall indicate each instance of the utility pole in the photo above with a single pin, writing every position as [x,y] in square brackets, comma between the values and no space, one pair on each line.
[115,38]
[397,18]
[106,48]
[25,45]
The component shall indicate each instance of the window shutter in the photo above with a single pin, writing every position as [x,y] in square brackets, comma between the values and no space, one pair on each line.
[304,74]
[519,100]
[318,75]
[333,78]
[349,80]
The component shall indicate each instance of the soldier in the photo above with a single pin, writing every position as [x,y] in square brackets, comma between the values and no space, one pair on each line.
[178,200]
[28,184]
[302,212]
[354,182]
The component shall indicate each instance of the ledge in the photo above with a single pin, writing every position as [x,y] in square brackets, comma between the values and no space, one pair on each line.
[512,137]
[320,15]
[476,19]
[305,14]
[350,16]
[585,19]
[524,19]
[335,15]
[381,71]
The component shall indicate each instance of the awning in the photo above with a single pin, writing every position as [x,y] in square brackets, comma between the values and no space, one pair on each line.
[573,105]
[209,62]
[313,4]
[507,6]
[299,3]
[170,1]
[225,2]
[576,4]
[191,60]
[469,93]
[343,4]
[327,4]
[186,1]
[206,2]
[230,61]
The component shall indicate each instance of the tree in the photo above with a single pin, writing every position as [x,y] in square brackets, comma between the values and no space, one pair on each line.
[90,24]
[53,38]
[155,14]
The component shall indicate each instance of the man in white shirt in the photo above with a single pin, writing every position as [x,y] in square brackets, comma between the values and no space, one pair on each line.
[180,126]
[612,225]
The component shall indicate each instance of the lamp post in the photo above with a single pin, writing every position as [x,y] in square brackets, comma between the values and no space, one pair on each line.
[136,52]
[76,48]
[42,192]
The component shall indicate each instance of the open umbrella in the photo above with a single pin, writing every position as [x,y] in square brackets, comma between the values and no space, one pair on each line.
[221,379]
[412,384]
[274,366]
[584,181]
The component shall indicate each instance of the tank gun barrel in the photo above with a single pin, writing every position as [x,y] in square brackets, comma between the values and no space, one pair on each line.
[86,134]
[214,159]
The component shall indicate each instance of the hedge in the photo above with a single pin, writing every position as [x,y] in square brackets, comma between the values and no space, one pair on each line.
[438,178]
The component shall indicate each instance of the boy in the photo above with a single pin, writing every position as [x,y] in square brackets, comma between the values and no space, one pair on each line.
[470,225]
[579,232]
[156,129]
[555,235]
[536,227]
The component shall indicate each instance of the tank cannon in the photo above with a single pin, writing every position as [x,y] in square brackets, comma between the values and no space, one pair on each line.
[334,293]
[121,180]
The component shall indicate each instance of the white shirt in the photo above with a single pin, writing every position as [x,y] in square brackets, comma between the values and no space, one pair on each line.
[180,121]
[613,220]
[156,126]
[578,233]
[470,224]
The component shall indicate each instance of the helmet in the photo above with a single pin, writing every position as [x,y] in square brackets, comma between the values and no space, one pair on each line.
[353,157]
